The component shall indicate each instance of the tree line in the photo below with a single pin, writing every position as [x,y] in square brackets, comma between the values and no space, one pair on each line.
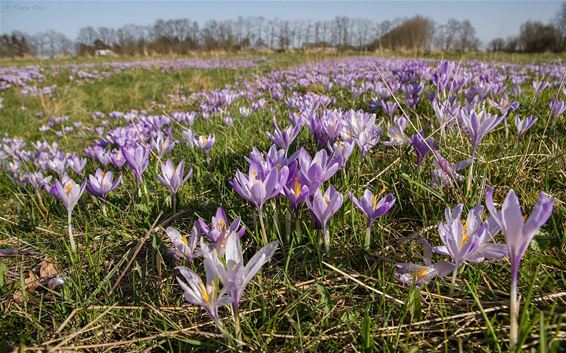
[181,36]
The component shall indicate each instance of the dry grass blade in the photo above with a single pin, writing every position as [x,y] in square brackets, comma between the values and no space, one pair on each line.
[398,301]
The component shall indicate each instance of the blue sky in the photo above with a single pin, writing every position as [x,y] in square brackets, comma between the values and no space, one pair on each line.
[490,18]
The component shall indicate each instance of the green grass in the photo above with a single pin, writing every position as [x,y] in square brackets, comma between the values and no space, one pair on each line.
[121,292]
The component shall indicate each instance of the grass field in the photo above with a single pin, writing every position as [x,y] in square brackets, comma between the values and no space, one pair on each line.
[119,290]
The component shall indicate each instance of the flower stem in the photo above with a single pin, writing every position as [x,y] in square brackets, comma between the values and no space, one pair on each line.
[104,210]
[298,229]
[288,227]
[367,240]
[453,284]
[237,326]
[470,176]
[262,225]
[174,201]
[514,311]
[70,229]
[326,239]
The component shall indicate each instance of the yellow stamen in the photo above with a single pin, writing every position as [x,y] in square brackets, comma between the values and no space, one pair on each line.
[68,188]
[278,166]
[297,187]
[465,235]
[221,226]
[423,272]
[205,294]
[374,202]
[184,240]
[102,175]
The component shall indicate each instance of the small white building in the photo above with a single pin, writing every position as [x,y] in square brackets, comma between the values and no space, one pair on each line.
[103,52]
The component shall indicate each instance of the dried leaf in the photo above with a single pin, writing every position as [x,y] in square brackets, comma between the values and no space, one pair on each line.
[47,269]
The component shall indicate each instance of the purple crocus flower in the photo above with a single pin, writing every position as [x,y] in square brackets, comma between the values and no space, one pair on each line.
[234,273]
[162,144]
[408,273]
[137,159]
[77,164]
[372,208]
[296,194]
[341,152]
[185,245]
[523,125]
[117,158]
[396,132]
[557,107]
[446,173]
[101,183]
[205,143]
[518,235]
[323,207]
[220,229]
[173,177]
[189,137]
[206,295]
[258,191]
[468,240]
[284,138]
[422,146]
[38,180]
[539,86]
[314,171]
[478,125]
[69,193]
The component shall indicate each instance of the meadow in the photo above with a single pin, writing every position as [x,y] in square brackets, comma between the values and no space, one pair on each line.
[375,191]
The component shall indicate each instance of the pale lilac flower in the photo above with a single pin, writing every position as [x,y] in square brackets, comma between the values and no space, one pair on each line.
[478,125]
[69,193]
[162,144]
[314,171]
[234,273]
[422,146]
[77,164]
[396,132]
[205,143]
[189,137]
[245,112]
[284,138]
[186,245]
[137,159]
[518,235]
[408,273]
[296,193]
[173,177]
[557,107]
[469,240]
[341,152]
[372,206]
[523,125]
[256,190]
[206,295]
[102,183]
[220,229]
[323,207]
